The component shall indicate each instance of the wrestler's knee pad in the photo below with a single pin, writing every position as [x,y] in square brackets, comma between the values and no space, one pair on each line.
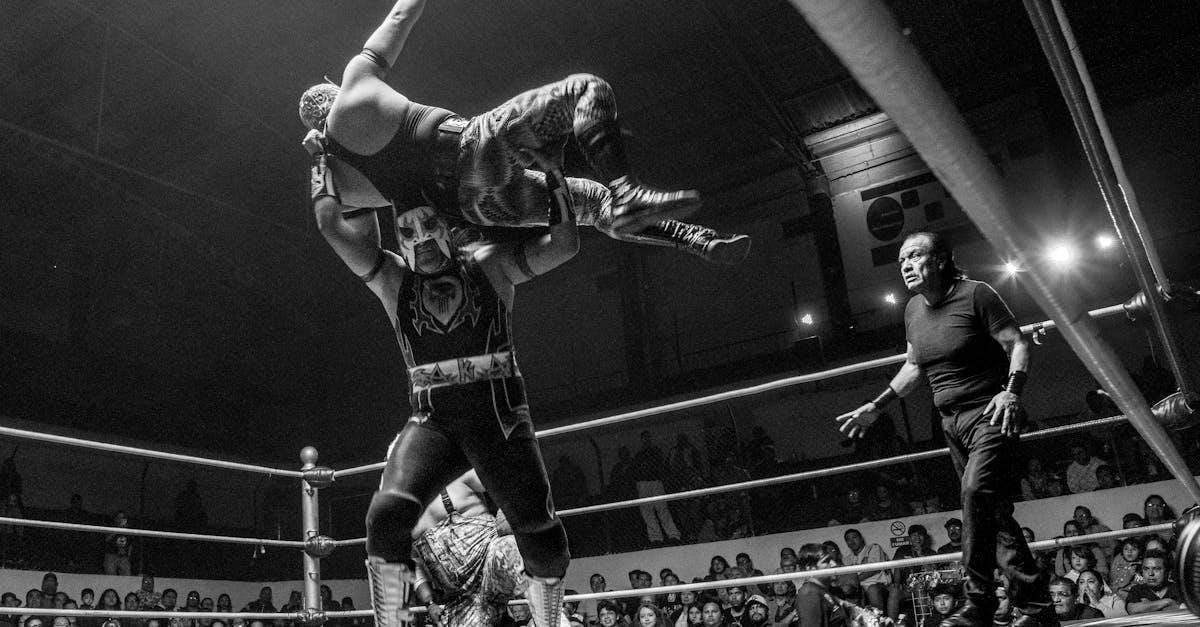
[544,549]
[390,520]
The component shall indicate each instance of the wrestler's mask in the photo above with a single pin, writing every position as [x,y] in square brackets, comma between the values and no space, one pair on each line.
[424,240]
[315,104]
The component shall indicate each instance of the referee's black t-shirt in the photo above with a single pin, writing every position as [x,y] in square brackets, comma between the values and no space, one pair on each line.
[953,345]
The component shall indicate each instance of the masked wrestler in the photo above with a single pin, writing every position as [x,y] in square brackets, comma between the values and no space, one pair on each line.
[468,565]
[449,304]
[381,148]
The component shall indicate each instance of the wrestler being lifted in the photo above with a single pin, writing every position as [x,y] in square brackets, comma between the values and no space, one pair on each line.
[381,148]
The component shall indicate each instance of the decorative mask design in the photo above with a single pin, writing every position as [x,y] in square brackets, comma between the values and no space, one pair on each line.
[424,240]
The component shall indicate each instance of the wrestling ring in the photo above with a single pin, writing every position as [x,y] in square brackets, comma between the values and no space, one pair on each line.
[863,34]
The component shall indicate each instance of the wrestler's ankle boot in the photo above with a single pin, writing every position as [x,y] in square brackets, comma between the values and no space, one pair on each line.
[391,586]
[635,206]
[545,602]
[705,243]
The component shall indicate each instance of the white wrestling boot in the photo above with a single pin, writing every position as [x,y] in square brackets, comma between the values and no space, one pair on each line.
[546,602]
[391,587]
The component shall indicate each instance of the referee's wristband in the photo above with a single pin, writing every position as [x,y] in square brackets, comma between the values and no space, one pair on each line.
[1016,381]
[886,396]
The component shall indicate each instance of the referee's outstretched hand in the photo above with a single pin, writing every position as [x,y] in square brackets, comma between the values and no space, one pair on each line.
[855,423]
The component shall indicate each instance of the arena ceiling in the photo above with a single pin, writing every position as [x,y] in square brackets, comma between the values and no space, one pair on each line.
[156,212]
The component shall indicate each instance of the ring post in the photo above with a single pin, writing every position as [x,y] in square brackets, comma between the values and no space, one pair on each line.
[311,524]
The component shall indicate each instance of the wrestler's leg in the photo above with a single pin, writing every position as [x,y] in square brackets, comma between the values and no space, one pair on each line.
[581,104]
[508,461]
[420,461]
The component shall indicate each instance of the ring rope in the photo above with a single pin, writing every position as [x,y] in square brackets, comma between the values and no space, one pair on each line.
[824,572]
[53,611]
[748,391]
[139,452]
[822,472]
[149,533]
[846,570]
[800,476]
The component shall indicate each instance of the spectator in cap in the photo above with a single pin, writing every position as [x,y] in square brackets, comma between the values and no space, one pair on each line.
[758,612]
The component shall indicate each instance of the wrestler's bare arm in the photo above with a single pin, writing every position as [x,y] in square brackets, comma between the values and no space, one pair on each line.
[356,240]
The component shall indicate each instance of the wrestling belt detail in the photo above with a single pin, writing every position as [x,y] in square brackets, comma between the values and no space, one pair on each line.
[462,370]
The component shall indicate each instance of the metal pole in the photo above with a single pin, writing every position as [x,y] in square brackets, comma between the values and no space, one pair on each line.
[863,34]
[1087,125]
[311,522]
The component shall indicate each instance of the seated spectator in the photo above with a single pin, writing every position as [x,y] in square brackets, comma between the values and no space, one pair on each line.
[918,546]
[1089,524]
[12,537]
[1126,567]
[886,507]
[1062,563]
[33,598]
[1063,593]
[737,604]
[1094,592]
[59,600]
[851,511]
[847,585]
[671,603]
[9,599]
[589,607]
[944,602]
[1036,482]
[783,602]
[225,603]
[953,544]
[208,605]
[1156,511]
[692,615]
[650,616]
[813,606]
[263,602]
[711,614]
[1081,473]
[758,613]
[328,603]
[517,616]
[1155,543]
[1080,558]
[131,605]
[87,597]
[1157,592]
[1132,521]
[71,605]
[1106,477]
[608,614]
[748,570]
[1044,562]
[718,568]
[148,599]
[785,553]
[873,583]
[49,585]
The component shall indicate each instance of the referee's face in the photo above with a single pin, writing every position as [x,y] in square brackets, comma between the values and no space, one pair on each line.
[919,268]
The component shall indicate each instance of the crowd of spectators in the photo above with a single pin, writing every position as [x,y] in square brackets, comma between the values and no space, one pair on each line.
[148,599]
[1132,575]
